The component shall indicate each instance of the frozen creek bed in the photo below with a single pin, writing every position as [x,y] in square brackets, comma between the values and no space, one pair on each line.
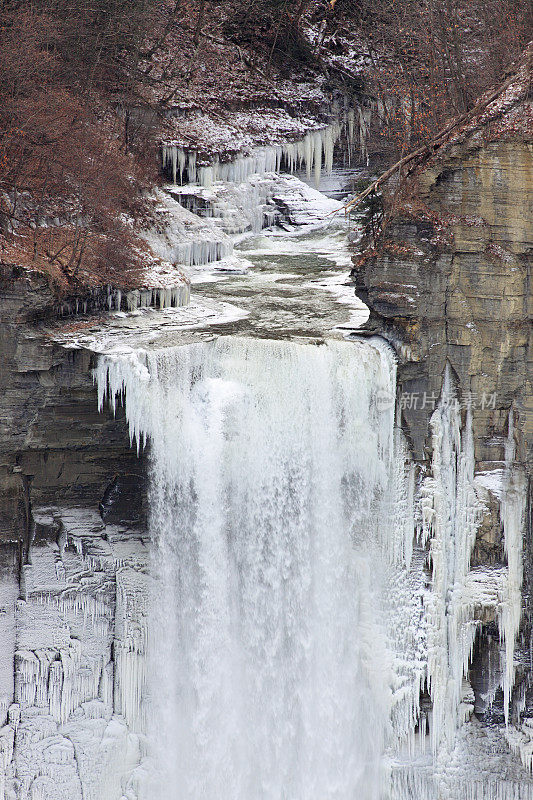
[272,633]
[276,282]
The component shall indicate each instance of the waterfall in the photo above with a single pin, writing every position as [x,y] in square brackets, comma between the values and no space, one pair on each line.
[270,675]
[296,623]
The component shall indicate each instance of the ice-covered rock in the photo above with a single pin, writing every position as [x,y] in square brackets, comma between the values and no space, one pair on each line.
[79,662]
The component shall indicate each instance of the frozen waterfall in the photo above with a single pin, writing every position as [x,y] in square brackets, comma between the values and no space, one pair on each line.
[313,153]
[314,607]
[270,677]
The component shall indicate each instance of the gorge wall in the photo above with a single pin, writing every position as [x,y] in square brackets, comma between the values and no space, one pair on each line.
[454,285]
[450,288]
[66,575]
[450,284]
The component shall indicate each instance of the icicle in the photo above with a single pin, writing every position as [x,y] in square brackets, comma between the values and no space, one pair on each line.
[452,517]
[261,160]
[317,150]
[174,164]
[191,166]
[292,157]
[329,138]
[350,119]
[513,506]
[132,299]
[170,160]
[181,159]
[362,132]
[130,647]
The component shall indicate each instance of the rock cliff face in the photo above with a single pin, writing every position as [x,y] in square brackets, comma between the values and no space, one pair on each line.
[66,576]
[450,284]
[455,285]
[51,433]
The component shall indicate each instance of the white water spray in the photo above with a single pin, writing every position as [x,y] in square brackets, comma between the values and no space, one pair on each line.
[270,677]
[292,629]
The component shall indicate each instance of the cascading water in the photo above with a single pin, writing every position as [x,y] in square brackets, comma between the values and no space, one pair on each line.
[315,609]
[270,677]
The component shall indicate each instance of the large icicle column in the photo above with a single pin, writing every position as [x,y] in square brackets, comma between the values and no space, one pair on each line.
[451,514]
[270,671]
[462,597]
[461,759]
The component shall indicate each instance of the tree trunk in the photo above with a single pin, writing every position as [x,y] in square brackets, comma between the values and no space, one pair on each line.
[302,8]
[199,22]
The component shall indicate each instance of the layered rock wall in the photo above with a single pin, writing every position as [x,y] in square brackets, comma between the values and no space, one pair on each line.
[453,284]
[450,287]
[72,576]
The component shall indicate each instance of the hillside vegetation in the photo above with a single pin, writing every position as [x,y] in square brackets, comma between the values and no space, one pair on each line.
[85,91]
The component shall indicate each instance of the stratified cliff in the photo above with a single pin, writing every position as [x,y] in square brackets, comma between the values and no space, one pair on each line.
[449,283]
[451,280]
[66,577]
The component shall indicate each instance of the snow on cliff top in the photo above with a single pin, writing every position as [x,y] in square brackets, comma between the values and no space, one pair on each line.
[239,131]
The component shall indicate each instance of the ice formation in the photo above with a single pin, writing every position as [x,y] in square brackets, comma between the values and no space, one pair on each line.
[284,507]
[80,627]
[461,597]
[257,203]
[450,517]
[313,153]
[513,509]
[457,600]
[173,293]
[196,225]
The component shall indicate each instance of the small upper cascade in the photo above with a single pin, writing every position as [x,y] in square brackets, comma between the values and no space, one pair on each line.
[313,153]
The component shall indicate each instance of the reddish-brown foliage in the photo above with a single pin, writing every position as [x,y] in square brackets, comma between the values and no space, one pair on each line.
[72,170]
[432,59]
